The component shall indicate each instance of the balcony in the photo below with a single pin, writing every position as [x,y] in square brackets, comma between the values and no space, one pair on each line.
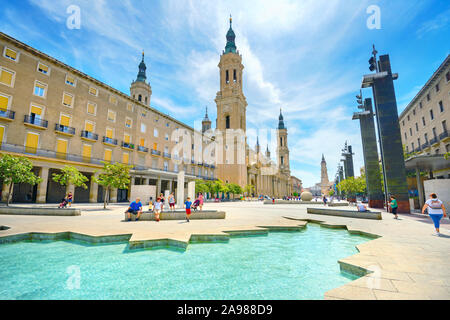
[426,145]
[419,149]
[434,141]
[65,130]
[34,122]
[213,166]
[110,141]
[142,149]
[167,155]
[86,135]
[7,115]
[127,145]
[156,152]
[444,136]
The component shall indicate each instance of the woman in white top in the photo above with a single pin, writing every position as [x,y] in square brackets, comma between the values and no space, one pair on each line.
[436,210]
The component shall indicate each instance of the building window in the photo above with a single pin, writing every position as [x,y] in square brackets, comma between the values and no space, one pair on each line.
[143,128]
[227,77]
[227,122]
[71,81]
[155,132]
[414,112]
[403,123]
[441,106]
[31,142]
[42,68]
[146,100]
[406,137]
[431,115]
[423,121]
[111,116]
[412,146]
[428,97]
[426,137]
[125,158]
[417,127]
[144,113]
[108,155]
[166,166]
[61,147]
[434,133]
[166,137]
[410,132]
[113,100]
[93,91]
[110,133]
[68,100]
[234,75]
[140,98]
[40,89]
[65,120]
[167,125]
[437,87]
[5,102]
[126,138]
[128,122]
[89,126]
[11,54]
[408,117]
[91,108]
[86,152]
[444,126]
[7,77]
[447,76]
[420,105]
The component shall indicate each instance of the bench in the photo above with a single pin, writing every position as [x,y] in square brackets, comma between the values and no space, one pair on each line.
[338,204]
[292,202]
[39,211]
[346,213]
[180,215]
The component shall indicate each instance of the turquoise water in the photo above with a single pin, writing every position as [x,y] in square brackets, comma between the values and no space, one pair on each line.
[294,265]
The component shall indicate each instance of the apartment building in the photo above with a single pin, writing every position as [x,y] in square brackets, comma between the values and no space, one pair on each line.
[424,123]
[56,115]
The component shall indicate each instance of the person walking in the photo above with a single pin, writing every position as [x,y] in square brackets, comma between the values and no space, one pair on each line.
[188,205]
[394,206]
[200,199]
[172,202]
[70,198]
[436,211]
[325,200]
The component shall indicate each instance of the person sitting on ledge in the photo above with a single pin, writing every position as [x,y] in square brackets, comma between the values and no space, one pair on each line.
[135,208]
[361,207]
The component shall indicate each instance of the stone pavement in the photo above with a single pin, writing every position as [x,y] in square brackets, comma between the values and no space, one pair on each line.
[405,262]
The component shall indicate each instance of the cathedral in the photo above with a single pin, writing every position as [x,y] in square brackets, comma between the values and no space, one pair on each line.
[237,162]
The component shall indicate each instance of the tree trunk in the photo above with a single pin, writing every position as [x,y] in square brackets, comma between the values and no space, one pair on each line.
[104,197]
[9,193]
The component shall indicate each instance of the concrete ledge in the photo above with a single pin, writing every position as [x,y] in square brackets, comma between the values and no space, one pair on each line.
[338,204]
[65,236]
[26,211]
[292,202]
[346,213]
[180,215]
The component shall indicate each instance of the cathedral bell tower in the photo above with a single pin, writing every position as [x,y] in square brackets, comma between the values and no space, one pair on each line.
[282,149]
[140,89]
[231,114]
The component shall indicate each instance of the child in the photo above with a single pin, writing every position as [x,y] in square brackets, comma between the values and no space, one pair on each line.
[172,202]
[70,199]
[151,204]
[188,204]
[157,209]
[394,206]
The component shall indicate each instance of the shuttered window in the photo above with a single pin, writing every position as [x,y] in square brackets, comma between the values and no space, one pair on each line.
[43,68]
[6,77]
[87,151]
[128,123]
[125,158]
[31,143]
[111,116]
[70,81]
[61,146]
[93,91]
[142,142]
[92,108]
[11,54]
[2,133]
[36,110]
[109,133]
[127,138]
[65,120]
[89,126]
[4,102]
[67,100]
[108,155]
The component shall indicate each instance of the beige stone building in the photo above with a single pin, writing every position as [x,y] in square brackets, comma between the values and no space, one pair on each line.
[56,115]
[237,162]
[424,122]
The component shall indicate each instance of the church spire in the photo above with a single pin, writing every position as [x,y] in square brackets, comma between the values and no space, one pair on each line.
[142,76]
[231,36]
[281,121]
[206,118]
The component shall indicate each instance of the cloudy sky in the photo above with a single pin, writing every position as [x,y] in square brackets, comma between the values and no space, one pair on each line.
[306,57]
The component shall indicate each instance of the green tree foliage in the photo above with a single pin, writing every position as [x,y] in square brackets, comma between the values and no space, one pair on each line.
[202,186]
[248,189]
[234,189]
[113,176]
[71,176]
[331,193]
[353,186]
[16,170]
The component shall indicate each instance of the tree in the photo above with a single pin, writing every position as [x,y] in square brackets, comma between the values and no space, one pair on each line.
[113,176]
[70,176]
[331,193]
[248,189]
[201,186]
[234,188]
[16,170]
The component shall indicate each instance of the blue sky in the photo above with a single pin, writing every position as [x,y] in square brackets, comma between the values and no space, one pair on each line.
[306,57]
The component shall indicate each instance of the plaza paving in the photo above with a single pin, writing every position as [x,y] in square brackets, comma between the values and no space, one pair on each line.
[407,261]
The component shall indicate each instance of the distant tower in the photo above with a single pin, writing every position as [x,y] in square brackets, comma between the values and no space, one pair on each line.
[324,182]
[257,147]
[140,89]
[283,149]
[206,123]
[231,113]
[268,152]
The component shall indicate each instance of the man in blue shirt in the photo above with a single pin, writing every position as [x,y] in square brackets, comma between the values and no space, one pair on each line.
[135,208]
